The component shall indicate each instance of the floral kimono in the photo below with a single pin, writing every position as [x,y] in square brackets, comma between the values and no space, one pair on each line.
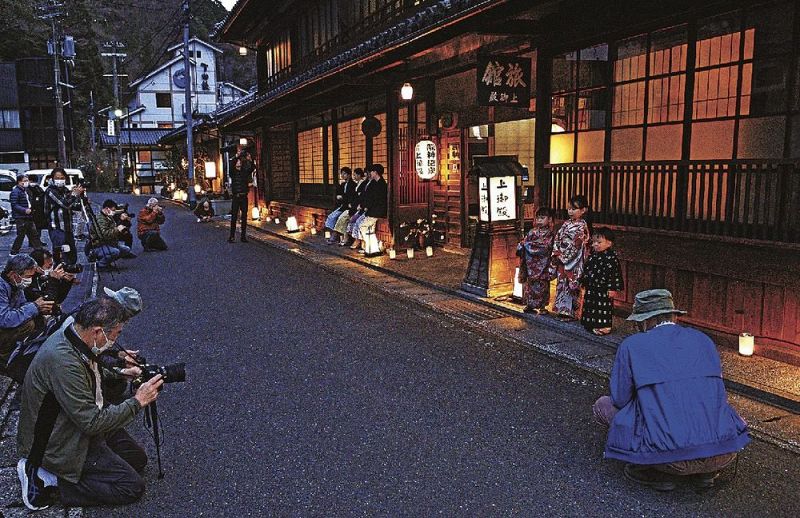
[535,252]
[570,251]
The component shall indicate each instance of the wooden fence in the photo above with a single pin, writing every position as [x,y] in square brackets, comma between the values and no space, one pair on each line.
[757,199]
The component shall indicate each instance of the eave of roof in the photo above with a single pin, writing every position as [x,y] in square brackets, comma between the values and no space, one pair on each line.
[134,137]
[198,40]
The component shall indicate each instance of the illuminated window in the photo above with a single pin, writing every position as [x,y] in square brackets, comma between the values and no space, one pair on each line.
[143,157]
[379,148]
[352,144]
[309,155]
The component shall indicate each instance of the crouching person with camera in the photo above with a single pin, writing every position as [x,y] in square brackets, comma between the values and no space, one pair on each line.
[85,455]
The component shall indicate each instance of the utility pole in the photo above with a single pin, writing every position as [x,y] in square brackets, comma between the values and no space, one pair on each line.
[52,11]
[114,46]
[92,141]
[187,106]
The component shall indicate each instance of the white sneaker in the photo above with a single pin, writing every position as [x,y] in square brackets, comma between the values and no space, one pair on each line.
[33,495]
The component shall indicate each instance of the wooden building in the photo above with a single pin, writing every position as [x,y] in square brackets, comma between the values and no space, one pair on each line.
[679,120]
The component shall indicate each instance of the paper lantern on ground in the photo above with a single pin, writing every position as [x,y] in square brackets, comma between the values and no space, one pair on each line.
[371,244]
[392,253]
[255,212]
[746,344]
[291,224]
[211,170]
[517,294]
[410,253]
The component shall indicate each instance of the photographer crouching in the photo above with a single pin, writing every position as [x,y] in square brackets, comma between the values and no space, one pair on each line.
[81,445]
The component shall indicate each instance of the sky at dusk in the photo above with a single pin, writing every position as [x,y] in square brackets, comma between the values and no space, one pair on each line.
[228,3]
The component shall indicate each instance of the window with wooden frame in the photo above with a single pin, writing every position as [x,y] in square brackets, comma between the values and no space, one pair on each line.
[318,26]
[309,156]
[278,54]
[580,90]
[352,144]
[380,152]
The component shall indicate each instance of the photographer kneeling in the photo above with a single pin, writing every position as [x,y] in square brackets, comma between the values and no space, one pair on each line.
[63,425]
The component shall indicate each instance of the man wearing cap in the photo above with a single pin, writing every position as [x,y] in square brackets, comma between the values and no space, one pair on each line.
[122,362]
[668,413]
[148,227]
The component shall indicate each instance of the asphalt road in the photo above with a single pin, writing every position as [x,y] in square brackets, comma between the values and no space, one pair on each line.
[307,395]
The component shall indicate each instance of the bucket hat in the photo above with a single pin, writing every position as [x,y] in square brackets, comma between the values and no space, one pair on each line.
[650,303]
[129,298]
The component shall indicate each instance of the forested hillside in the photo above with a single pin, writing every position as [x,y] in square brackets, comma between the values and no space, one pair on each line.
[146,27]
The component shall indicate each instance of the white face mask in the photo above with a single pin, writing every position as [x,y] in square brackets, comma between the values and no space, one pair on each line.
[25,185]
[99,350]
[59,183]
[24,282]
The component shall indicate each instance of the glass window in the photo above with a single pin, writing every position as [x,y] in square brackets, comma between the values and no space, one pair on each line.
[379,145]
[309,154]
[163,100]
[352,144]
[143,157]
[9,119]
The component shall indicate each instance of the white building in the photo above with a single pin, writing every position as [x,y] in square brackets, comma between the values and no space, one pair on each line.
[158,101]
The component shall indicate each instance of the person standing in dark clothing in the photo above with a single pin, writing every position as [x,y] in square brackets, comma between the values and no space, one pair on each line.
[22,209]
[59,206]
[241,181]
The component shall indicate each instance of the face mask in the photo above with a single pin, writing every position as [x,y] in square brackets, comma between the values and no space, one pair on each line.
[25,185]
[59,183]
[24,282]
[98,350]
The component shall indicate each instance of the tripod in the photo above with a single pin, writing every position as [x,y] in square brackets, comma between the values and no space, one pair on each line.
[91,219]
[151,421]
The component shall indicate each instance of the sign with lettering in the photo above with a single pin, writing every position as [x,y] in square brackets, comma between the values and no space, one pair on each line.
[110,128]
[426,158]
[504,81]
[498,201]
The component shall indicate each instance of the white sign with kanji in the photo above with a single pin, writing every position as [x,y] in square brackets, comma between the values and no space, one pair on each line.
[427,159]
[111,131]
[498,200]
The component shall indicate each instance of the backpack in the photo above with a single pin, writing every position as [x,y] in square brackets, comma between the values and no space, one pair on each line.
[23,353]
[37,197]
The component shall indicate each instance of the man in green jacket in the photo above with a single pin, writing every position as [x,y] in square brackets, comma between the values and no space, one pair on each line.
[92,456]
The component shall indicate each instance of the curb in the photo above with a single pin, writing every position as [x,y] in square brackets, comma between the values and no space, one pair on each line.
[760,396]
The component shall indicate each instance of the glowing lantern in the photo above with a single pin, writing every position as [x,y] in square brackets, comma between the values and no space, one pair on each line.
[429,251]
[746,344]
[242,51]
[407,92]
[392,253]
[211,170]
[291,224]
[255,212]
[410,253]
[426,159]
[517,293]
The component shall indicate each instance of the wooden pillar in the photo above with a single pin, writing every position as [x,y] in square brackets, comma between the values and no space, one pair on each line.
[541,147]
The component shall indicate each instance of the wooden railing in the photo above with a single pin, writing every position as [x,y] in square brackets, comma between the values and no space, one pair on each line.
[350,37]
[752,199]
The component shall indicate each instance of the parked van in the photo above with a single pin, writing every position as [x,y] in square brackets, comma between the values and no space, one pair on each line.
[37,177]
[8,179]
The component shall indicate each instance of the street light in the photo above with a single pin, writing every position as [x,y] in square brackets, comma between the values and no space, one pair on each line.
[242,51]
[118,113]
[243,141]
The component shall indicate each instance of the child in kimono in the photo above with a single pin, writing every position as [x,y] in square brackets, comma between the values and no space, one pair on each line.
[570,251]
[534,253]
[602,278]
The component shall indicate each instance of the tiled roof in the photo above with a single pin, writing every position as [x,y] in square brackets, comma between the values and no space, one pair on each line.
[401,32]
[139,137]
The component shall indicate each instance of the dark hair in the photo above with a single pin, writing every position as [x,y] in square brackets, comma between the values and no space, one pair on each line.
[346,170]
[544,212]
[19,264]
[57,170]
[104,311]
[40,254]
[359,172]
[109,203]
[378,168]
[605,232]
[579,201]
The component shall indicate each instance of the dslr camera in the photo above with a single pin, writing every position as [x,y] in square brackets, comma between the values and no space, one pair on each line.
[123,209]
[175,373]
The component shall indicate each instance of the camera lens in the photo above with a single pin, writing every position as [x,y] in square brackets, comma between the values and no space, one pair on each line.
[175,373]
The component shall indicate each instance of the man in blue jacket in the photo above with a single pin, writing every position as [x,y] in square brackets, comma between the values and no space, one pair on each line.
[22,210]
[668,413]
[16,313]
